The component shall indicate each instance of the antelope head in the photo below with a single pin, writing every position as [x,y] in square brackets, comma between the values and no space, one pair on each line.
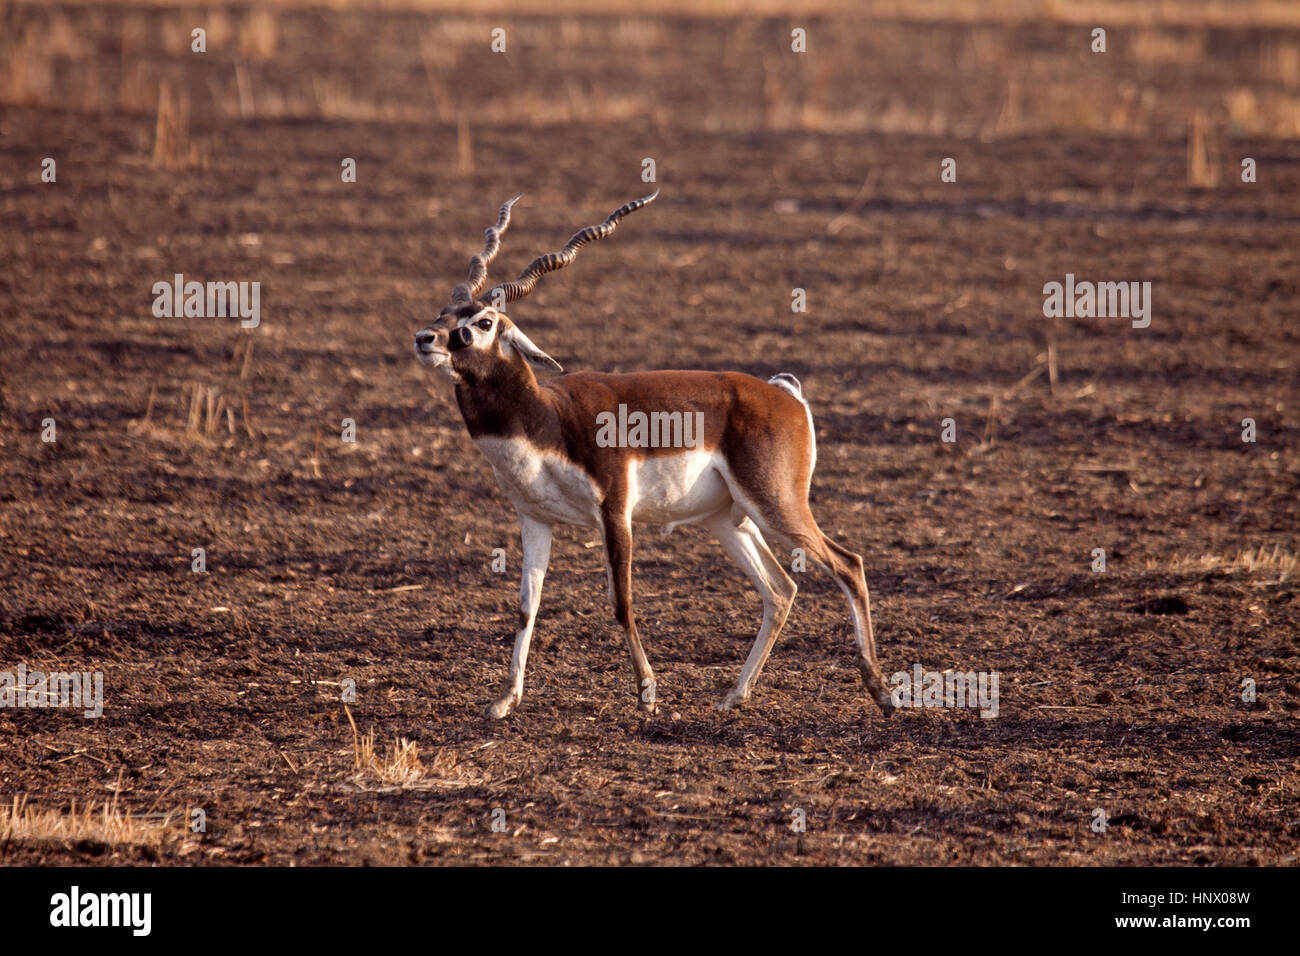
[472,337]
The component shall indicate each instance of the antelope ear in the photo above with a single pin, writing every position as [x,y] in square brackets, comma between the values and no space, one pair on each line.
[531,353]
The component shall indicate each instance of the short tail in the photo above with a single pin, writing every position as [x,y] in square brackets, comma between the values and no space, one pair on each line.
[788,382]
[791,384]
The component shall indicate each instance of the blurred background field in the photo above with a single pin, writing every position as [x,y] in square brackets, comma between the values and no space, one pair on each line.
[984,70]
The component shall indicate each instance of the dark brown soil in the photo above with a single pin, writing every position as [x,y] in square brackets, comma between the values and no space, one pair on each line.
[1120,691]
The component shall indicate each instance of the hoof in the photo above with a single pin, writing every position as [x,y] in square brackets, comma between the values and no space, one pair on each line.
[732,701]
[501,708]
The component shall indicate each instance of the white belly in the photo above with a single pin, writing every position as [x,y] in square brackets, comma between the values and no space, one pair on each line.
[542,485]
[676,489]
[669,489]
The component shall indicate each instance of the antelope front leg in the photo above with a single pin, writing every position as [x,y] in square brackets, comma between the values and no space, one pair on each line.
[537,555]
[618,562]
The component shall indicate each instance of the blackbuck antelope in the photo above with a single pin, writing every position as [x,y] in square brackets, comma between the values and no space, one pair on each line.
[577,449]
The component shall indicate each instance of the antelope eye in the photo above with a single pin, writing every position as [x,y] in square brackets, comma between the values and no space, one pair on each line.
[485,324]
